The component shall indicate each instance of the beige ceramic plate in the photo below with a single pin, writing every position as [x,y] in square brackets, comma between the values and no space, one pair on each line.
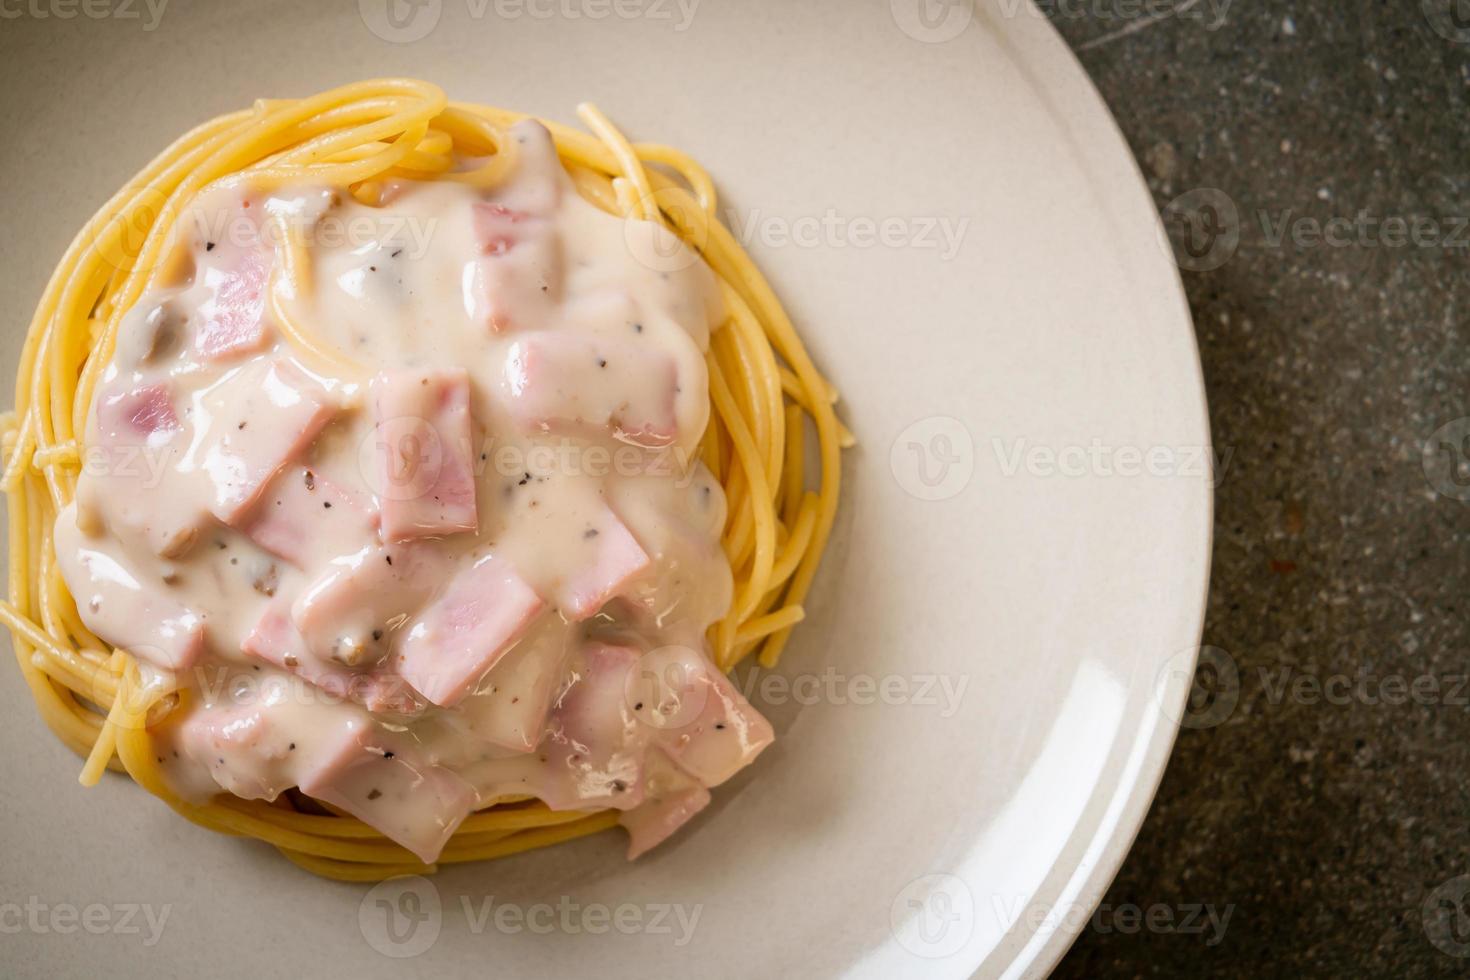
[978,708]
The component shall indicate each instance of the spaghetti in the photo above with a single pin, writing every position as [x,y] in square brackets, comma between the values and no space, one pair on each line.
[766,395]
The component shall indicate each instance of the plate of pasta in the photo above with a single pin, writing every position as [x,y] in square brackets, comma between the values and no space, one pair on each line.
[469,502]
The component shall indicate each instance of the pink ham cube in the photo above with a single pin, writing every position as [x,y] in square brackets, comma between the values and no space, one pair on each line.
[276,640]
[498,229]
[594,746]
[485,609]
[382,781]
[125,608]
[565,382]
[350,613]
[513,700]
[134,444]
[137,416]
[607,557]
[540,180]
[239,744]
[426,480]
[671,800]
[715,732]
[519,272]
[304,518]
[258,419]
[232,319]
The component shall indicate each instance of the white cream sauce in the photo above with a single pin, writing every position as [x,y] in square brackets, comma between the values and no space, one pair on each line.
[475,560]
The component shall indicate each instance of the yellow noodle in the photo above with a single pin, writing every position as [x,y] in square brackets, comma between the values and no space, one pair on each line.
[765,392]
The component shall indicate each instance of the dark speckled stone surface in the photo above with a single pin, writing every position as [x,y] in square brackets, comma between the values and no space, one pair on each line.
[1322,795]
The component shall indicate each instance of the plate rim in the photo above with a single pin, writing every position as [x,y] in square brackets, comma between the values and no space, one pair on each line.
[1063,77]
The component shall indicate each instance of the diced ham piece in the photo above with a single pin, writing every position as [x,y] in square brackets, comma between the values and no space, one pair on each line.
[513,701]
[671,800]
[645,733]
[117,605]
[232,318]
[517,277]
[305,518]
[496,229]
[608,557]
[379,781]
[240,746]
[350,612]
[540,180]
[466,631]
[276,640]
[134,442]
[560,381]
[714,732]
[140,416]
[256,747]
[594,742]
[259,418]
[425,471]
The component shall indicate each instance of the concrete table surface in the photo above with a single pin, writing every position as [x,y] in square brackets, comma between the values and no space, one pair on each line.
[1313,163]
